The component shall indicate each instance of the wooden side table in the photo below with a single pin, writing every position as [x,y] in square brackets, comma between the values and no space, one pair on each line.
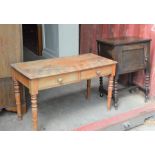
[49,73]
[132,54]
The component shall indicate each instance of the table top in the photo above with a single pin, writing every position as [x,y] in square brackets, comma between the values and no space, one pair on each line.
[56,66]
[124,40]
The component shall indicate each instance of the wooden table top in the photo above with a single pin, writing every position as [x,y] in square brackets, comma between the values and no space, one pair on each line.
[56,66]
[123,40]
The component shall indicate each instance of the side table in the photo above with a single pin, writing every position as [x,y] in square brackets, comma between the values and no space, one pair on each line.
[132,54]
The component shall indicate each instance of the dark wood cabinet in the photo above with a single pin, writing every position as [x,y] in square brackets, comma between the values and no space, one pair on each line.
[132,54]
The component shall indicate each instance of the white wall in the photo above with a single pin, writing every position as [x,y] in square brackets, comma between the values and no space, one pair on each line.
[60,40]
[51,40]
[68,39]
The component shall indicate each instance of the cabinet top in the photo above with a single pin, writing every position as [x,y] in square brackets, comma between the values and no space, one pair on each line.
[123,40]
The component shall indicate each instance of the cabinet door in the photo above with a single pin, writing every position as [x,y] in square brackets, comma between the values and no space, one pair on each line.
[10,47]
[132,58]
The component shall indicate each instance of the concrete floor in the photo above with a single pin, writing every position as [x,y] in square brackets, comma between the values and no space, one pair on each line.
[65,108]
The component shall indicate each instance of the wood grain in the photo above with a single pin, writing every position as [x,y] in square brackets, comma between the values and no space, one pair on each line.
[57,66]
[18,98]
[34,111]
[10,47]
[6,95]
[11,51]
[123,41]
[7,98]
[59,80]
[96,72]
[110,88]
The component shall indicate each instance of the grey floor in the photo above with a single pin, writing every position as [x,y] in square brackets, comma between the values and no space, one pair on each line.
[66,108]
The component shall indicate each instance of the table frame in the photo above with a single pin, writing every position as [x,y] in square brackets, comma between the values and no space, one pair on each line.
[34,85]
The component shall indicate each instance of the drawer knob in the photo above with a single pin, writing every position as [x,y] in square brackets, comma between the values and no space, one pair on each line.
[60,80]
[98,73]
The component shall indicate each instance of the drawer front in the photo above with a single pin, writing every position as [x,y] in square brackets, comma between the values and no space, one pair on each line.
[97,72]
[59,80]
[132,58]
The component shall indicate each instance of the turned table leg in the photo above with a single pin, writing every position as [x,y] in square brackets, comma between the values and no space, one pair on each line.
[115,95]
[34,107]
[147,77]
[88,88]
[101,89]
[17,98]
[147,81]
[110,89]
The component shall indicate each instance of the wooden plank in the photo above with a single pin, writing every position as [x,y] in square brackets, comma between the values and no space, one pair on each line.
[115,120]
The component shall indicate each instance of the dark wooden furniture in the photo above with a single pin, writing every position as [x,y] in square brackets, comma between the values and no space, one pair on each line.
[132,54]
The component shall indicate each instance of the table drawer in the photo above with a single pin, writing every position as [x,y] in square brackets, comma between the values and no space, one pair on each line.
[97,72]
[59,80]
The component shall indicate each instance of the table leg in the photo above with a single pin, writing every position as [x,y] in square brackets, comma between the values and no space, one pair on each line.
[34,107]
[88,88]
[17,98]
[101,89]
[147,77]
[147,81]
[116,92]
[110,89]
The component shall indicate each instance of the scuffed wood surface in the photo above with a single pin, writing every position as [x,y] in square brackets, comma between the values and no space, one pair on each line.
[51,67]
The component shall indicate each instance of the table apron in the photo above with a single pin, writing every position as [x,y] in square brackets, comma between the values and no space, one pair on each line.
[64,79]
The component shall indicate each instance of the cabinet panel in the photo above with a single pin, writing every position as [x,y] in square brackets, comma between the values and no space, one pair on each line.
[132,58]
[10,47]
[7,95]
[11,51]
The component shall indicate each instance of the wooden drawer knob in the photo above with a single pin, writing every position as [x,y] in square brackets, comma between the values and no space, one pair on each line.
[98,73]
[60,80]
